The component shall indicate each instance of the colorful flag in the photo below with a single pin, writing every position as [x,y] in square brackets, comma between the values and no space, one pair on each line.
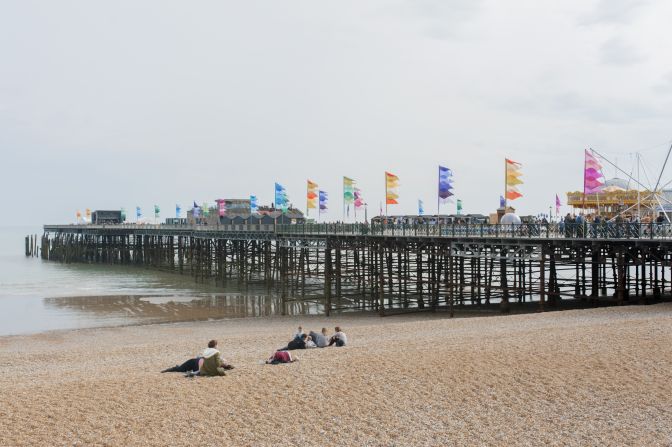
[324,200]
[348,190]
[445,184]
[123,215]
[221,207]
[281,198]
[178,211]
[502,202]
[359,200]
[205,209]
[138,212]
[196,210]
[253,204]
[88,214]
[512,175]
[592,174]
[157,210]
[421,208]
[311,196]
[78,215]
[557,204]
[459,206]
[391,189]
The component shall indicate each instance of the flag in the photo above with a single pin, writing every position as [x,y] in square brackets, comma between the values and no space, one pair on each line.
[445,184]
[221,207]
[138,212]
[311,196]
[512,176]
[557,204]
[253,204]
[324,199]
[157,210]
[281,198]
[459,206]
[205,209]
[391,189]
[88,214]
[123,215]
[502,202]
[359,200]
[592,174]
[421,208]
[78,215]
[178,211]
[348,190]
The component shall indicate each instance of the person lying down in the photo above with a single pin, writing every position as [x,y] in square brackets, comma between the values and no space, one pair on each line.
[281,357]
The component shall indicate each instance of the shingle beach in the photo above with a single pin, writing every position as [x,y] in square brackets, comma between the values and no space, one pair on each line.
[580,377]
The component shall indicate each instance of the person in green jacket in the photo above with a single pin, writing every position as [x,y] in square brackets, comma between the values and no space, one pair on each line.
[213,363]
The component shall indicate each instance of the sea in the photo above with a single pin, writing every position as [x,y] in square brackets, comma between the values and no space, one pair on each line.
[38,296]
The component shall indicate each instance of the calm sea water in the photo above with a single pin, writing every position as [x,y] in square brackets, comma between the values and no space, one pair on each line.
[38,295]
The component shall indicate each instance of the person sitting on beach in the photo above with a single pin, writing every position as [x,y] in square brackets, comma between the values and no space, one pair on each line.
[339,338]
[213,364]
[299,332]
[297,343]
[310,343]
[321,340]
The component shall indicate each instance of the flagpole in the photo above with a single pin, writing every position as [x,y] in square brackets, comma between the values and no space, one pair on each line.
[385,194]
[583,205]
[344,199]
[506,183]
[438,197]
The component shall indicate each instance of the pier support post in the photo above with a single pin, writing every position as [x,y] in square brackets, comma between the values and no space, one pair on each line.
[542,279]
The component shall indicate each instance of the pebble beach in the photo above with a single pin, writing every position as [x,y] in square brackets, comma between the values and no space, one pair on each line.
[576,378]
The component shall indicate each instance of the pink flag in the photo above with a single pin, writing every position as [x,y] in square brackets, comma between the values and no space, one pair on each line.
[557,204]
[592,175]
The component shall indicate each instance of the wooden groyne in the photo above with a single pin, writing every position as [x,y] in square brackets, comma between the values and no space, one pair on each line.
[391,268]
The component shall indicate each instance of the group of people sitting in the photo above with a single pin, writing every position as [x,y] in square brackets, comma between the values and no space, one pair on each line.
[210,362]
[301,340]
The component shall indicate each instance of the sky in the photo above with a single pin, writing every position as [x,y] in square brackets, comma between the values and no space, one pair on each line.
[135,103]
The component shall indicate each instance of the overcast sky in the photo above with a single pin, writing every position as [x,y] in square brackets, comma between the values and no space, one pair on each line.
[125,103]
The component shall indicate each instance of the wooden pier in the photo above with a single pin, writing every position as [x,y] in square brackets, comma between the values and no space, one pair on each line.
[394,268]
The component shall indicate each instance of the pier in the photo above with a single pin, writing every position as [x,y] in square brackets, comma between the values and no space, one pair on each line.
[395,268]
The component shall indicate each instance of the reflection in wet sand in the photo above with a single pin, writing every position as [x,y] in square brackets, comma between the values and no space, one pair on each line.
[143,309]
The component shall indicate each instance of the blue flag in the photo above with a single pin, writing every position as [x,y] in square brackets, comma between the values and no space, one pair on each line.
[324,200]
[253,204]
[502,202]
[138,212]
[281,199]
[421,208]
[445,184]
[178,210]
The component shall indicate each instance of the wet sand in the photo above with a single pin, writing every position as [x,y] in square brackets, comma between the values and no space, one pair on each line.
[579,377]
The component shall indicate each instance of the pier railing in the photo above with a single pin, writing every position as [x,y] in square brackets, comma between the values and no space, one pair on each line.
[606,230]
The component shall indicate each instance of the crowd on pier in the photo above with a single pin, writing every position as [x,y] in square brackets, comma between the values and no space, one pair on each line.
[210,362]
